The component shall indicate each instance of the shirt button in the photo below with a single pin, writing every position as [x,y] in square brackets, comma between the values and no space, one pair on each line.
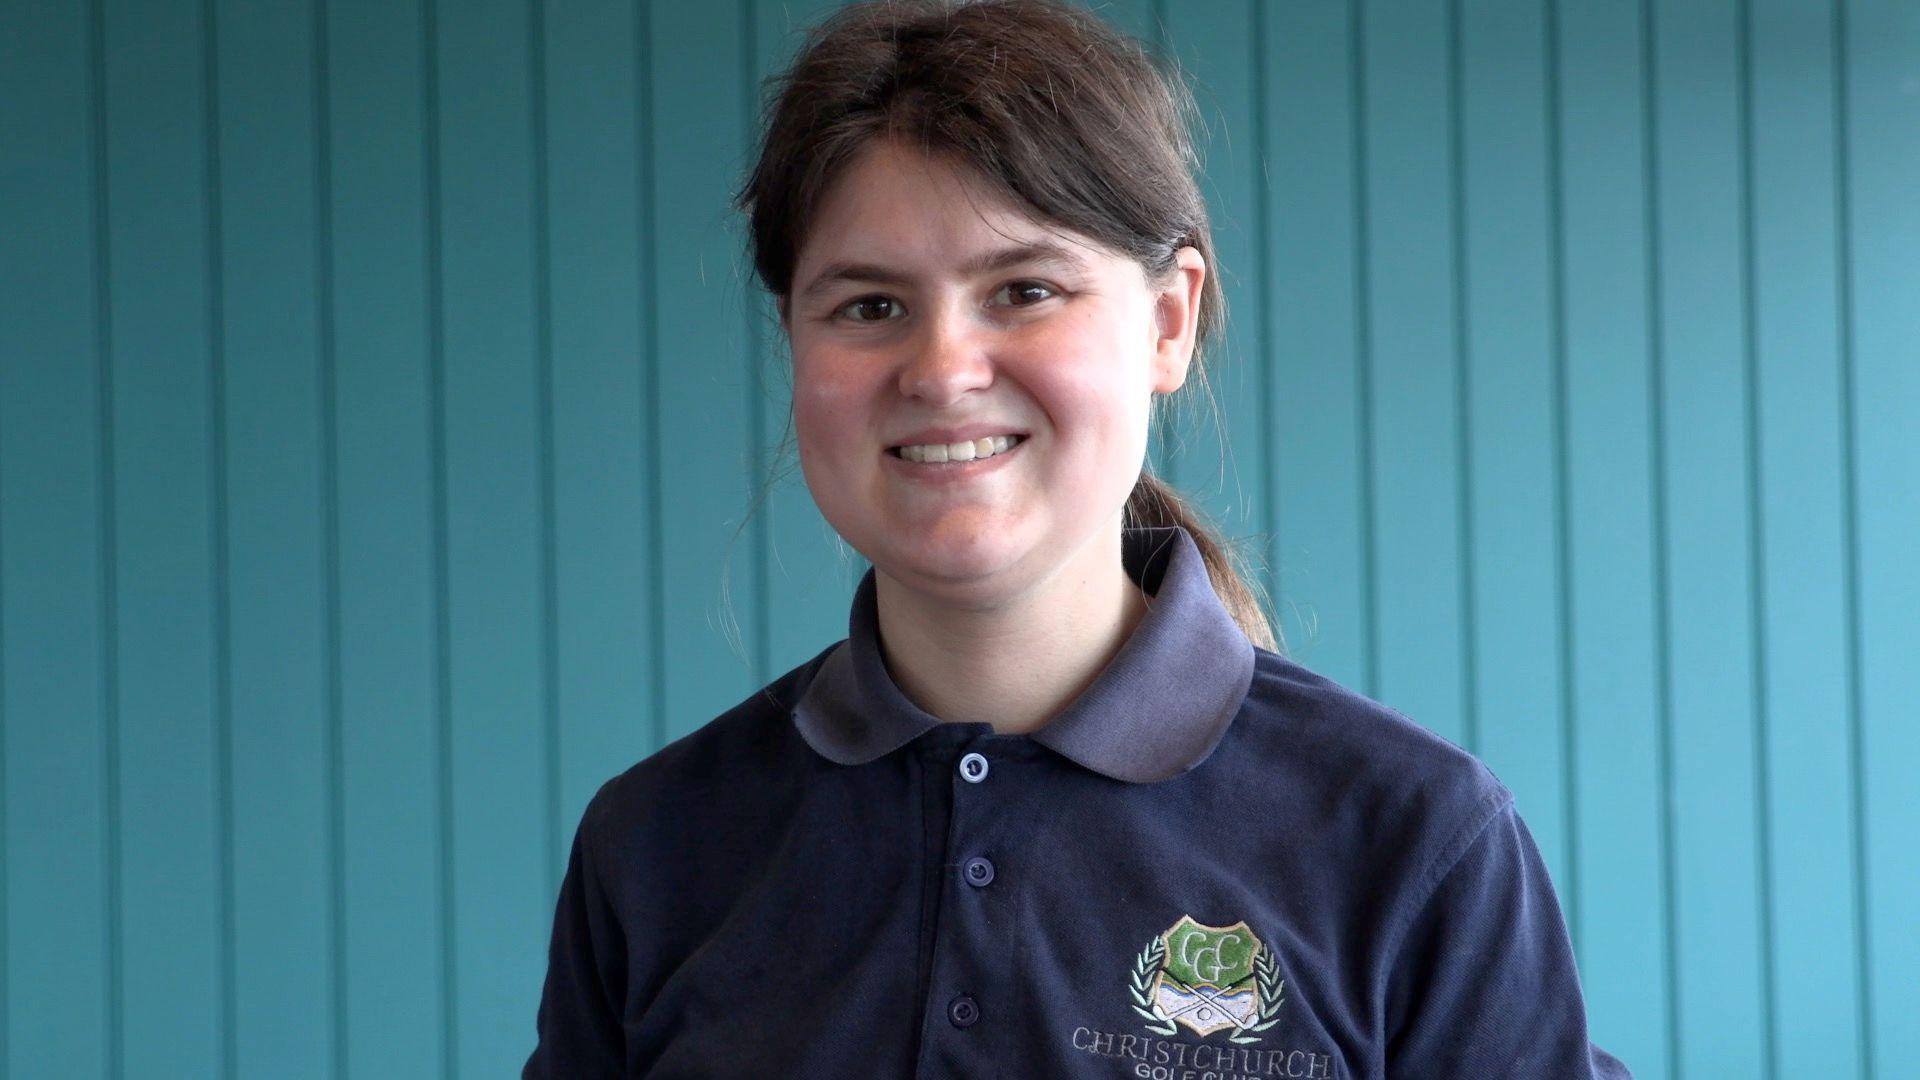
[963,1011]
[973,768]
[979,871]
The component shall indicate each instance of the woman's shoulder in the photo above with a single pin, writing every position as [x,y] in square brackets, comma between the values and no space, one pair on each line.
[749,745]
[1362,756]
[1292,702]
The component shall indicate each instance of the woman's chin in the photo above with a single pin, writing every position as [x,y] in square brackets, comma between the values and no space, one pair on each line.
[953,557]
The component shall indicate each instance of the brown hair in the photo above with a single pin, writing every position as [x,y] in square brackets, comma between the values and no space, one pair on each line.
[1055,110]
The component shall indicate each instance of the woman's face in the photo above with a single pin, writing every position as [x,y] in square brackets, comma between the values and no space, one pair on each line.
[931,319]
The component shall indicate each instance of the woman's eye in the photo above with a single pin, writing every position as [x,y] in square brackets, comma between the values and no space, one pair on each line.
[871,309]
[1026,293]
[878,309]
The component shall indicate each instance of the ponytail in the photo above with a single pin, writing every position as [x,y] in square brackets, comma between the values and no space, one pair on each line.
[1153,503]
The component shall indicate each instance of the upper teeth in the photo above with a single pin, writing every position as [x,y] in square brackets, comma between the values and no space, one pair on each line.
[960,451]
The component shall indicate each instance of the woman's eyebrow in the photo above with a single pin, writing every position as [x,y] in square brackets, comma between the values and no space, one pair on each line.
[1039,251]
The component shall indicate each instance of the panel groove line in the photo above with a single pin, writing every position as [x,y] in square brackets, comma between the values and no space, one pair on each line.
[1882,157]
[1656,478]
[1757,542]
[1263,216]
[6,793]
[1562,476]
[1369,613]
[760,655]
[652,442]
[330,523]
[113,988]
[442,617]
[1850,522]
[221,575]
[1462,381]
[544,408]
[1756,584]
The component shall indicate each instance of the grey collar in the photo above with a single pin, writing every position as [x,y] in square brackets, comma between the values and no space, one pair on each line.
[1158,709]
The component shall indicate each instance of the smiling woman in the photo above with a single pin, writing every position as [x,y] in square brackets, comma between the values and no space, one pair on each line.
[1056,806]
[1067,155]
[992,325]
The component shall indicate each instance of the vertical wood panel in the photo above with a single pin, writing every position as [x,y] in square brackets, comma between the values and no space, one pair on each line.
[1414,365]
[273,478]
[1314,407]
[1881,157]
[601,496]
[703,407]
[495,471]
[392,918]
[1616,888]
[651,444]
[1803,536]
[59,968]
[1510,376]
[1220,446]
[1719,1015]
[173,899]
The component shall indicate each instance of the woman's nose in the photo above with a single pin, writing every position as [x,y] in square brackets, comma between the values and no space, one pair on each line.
[949,357]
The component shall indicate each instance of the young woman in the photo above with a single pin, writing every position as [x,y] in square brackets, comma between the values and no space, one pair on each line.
[1055,807]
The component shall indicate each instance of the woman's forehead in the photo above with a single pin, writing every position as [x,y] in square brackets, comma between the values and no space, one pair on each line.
[898,207]
[886,186]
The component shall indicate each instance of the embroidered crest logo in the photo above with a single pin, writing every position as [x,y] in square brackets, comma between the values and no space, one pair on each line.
[1208,979]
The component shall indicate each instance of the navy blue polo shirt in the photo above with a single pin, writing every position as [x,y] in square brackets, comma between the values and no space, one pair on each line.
[1213,865]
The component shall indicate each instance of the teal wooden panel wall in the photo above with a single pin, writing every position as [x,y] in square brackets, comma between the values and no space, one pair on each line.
[382,398]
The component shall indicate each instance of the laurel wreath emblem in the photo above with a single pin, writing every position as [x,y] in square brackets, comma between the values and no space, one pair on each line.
[1265,972]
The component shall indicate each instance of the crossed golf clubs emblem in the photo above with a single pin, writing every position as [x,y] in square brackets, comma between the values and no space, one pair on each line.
[1209,999]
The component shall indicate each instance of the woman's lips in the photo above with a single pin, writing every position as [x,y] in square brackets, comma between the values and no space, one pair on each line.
[951,471]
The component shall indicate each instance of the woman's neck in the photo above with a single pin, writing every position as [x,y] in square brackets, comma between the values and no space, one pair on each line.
[1018,664]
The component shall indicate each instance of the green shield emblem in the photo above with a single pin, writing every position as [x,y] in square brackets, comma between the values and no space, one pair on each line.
[1207,979]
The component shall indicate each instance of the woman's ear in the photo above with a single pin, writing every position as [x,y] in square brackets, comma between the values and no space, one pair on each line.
[1176,308]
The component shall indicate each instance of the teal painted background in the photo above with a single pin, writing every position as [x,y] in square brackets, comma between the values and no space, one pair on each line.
[381,399]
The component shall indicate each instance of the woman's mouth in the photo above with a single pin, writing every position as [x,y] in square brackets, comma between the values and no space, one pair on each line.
[958,453]
[937,464]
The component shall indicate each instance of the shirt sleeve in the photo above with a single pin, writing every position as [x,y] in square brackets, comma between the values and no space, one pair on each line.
[1484,982]
[579,1020]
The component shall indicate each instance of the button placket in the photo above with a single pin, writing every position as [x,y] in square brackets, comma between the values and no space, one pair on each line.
[972,925]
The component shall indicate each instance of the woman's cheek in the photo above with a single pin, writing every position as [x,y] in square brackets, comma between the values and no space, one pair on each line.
[1083,391]
[823,404]
[1103,412]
